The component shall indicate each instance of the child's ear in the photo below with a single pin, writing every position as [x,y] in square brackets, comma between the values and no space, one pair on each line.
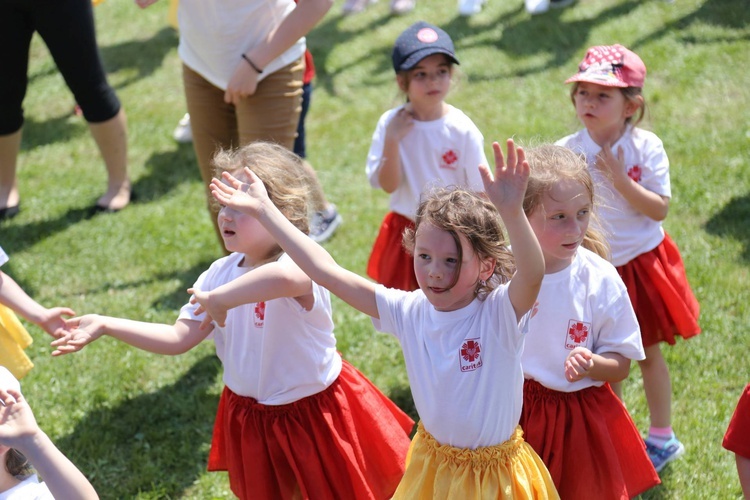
[633,105]
[487,268]
[401,81]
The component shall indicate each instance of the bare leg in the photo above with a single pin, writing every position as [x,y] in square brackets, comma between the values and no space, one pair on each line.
[111,137]
[10,146]
[658,387]
[743,470]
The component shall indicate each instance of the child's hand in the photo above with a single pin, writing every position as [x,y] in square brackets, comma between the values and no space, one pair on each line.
[245,197]
[53,322]
[579,363]
[243,83]
[17,422]
[81,331]
[214,311]
[612,166]
[400,125]
[507,188]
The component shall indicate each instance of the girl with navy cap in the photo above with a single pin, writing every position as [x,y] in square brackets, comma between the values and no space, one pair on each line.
[421,144]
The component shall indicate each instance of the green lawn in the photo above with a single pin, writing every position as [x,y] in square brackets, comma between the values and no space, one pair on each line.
[139,425]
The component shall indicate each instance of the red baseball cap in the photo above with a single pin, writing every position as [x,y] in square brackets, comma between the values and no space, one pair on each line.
[611,66]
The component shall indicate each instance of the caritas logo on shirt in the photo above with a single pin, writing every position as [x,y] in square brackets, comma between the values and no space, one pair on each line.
[470,355]
[577,334]
[260,314]
[449,159]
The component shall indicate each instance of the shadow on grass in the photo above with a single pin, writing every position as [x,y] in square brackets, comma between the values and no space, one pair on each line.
[156,441]
[731,221]
[140,57]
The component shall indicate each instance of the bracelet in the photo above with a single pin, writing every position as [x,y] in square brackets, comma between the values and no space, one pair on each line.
[252,64]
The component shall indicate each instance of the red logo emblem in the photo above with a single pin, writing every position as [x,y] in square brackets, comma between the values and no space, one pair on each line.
[578,333]
[260,313]
[470,355]
[427,35]
[635,172]
[449,159]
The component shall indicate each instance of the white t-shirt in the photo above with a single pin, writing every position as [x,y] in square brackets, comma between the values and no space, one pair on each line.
[464,366]
[28,489]
[275,351]
[587,305]
[214,34]
[442,152]
[3,256]
[630,233]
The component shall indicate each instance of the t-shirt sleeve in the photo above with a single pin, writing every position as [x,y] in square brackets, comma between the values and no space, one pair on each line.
[187,311]
[619,331]
[657,165]
[475,157]
[391,306]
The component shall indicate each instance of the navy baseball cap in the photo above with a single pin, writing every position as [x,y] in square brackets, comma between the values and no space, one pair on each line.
[418,41]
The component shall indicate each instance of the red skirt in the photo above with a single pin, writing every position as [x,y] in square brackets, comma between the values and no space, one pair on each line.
[348,441]
[390,264]
[661,296]
[588,442]
[737,437]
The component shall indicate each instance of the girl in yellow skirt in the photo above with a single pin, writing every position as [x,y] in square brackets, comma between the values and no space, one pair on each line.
[13,336]
[631,166]
[462,332]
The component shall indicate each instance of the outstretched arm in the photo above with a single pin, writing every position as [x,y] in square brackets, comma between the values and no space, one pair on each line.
[14,297]
[506,189]
[19,430]
[158,338]
[251,198]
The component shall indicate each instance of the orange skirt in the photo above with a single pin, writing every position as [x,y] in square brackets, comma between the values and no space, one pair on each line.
[661,296]
[348,441]
[737,437]
[390,264]
[588,442]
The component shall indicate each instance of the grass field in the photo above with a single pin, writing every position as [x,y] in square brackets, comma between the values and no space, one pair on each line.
[139,425]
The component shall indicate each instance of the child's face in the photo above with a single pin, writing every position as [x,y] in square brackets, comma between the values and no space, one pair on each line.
[436,262]
[244,234]
[429,81]
[602,110]
[560,223]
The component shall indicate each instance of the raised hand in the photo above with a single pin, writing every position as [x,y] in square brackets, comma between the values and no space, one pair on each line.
[245,197]
[612,166]
[579,363]
[81,331]
[507,187]
[17,422]
[214,311]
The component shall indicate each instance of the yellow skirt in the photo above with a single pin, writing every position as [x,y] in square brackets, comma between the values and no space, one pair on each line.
[13,340]
[508,470]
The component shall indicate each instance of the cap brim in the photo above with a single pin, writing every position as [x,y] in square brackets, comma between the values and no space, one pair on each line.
[597,79]
[417,56]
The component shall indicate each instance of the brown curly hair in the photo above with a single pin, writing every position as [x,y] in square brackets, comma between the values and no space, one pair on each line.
[462,212]
[287,182]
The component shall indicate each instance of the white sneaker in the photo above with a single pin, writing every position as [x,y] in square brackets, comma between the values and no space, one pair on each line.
[324,224]
[400,7]
[537,6]
[183,133]
[356,6]
[470,7]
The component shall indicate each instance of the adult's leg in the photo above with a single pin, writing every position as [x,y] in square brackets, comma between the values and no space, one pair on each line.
[67,27]
[16,30]
[214,125]
[272,114]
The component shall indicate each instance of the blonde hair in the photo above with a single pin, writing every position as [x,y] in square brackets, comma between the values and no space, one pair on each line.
[287,182]
[632,94]
[551,164]
[462,212]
